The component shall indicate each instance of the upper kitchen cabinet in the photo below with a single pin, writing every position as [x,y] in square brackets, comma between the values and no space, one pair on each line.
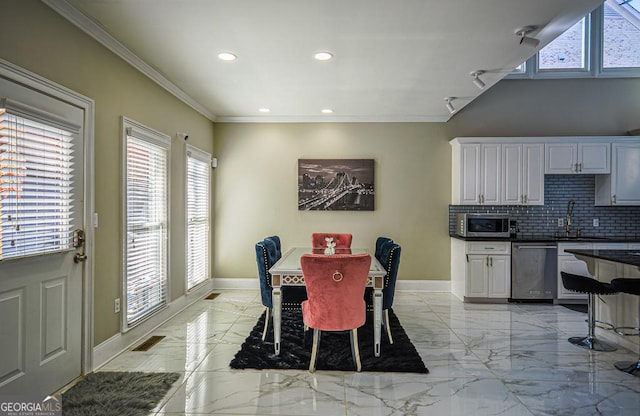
[622,186]
[522,174]
[575,157]
[476,174]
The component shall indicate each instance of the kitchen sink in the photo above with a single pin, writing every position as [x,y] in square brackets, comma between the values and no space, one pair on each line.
[582,237]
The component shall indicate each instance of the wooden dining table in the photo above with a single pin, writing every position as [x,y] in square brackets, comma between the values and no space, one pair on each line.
[288,272]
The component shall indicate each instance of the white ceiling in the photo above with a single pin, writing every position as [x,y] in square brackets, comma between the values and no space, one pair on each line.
[393,60]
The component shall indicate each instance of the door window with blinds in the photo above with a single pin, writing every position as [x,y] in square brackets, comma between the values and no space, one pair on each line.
[36,193]
[146,221]
[198,185]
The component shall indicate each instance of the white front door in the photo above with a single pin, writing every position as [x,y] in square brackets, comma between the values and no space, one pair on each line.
[41,296]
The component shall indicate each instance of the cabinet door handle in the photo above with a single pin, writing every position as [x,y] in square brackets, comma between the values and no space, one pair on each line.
[487,261]
[579,167]
[491,261]
[526,199]
[467,258]
[613,199]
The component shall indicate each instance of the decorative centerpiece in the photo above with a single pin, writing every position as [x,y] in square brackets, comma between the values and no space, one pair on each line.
[331,246]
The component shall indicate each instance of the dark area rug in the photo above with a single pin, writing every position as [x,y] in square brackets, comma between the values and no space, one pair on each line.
[334,352]
[117,393]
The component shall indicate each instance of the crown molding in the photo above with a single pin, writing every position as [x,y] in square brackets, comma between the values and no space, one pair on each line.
[331,119]
[93,29]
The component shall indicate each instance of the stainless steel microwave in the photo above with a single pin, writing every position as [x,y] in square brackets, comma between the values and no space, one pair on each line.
[482,225]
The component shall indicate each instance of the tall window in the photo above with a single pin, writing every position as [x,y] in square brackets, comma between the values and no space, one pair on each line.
[36,195]
[621,34]
[146,221]
[198,186]
[605,43]
[567,51]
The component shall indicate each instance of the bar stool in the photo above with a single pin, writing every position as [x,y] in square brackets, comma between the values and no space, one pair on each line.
[592,287]
[632,287]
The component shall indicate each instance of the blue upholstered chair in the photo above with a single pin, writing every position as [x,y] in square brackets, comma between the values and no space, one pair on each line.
[389,257]
[268,252]
[379,242]
[276,241]
[266,257]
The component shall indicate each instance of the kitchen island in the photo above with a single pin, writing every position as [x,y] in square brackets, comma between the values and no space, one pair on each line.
[621,310]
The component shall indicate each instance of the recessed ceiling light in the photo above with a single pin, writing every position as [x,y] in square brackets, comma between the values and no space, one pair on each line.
[264,110]
[323,56]
[227,56]
[327,111]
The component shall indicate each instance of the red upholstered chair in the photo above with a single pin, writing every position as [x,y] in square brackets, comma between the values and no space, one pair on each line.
[335,289]
[342,240]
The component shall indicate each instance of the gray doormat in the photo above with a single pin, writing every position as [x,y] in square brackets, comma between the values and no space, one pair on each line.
[117,393]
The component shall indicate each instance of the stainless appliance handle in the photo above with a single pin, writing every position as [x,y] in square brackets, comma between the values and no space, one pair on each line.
[535,247]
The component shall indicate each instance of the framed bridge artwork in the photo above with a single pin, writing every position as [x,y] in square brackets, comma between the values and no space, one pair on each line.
[336,185]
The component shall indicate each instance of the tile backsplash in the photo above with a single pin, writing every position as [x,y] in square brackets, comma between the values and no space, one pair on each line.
[615,221]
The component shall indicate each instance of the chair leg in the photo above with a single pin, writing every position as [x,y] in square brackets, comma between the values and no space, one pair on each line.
[385,322]
[266,324]
[314,350]
[590,342]
[355,350]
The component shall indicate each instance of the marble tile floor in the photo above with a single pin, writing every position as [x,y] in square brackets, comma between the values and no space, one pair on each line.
[506,359]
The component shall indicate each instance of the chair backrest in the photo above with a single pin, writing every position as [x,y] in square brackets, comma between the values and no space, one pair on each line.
[379,242]
[390,259]
[276,240]
[342,240]
[335,290]
[266,257]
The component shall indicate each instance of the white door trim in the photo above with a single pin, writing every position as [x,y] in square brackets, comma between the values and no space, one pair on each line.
[38,83]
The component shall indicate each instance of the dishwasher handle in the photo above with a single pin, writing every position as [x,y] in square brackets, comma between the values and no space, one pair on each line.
[527,247]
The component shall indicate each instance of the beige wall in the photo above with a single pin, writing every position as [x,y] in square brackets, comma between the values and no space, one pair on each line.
[39,40]
[256,183]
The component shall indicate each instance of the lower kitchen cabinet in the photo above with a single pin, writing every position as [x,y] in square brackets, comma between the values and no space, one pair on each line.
[481,270]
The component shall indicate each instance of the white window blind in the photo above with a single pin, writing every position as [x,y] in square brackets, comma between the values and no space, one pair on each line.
[146,208]
[36,192]
[198,186]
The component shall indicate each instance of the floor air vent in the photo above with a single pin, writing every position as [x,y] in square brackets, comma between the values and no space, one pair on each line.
[146,346]
[212,296]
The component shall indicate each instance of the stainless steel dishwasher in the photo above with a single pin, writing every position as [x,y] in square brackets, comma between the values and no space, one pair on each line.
[534,271]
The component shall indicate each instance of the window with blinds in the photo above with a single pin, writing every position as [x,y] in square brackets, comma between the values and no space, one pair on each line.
[146,221]
[198,185]
[36,192]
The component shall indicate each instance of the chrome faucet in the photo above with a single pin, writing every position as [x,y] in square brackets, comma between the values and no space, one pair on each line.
[570,205]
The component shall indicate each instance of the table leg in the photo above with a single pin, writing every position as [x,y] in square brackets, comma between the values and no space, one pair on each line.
[377,320]
[276,298]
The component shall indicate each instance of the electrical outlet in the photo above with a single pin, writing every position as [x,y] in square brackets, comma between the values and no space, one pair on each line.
[596,222]
[560,222]
[116,305]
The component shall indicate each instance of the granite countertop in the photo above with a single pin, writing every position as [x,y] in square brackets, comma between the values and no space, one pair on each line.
[631,257]
[550,238]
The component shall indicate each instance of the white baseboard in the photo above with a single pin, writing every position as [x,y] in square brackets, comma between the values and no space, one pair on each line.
[420,285]
[118,343]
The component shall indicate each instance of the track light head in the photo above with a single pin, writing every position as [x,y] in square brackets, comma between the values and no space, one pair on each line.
[450,106]
[527,40]
[476,80]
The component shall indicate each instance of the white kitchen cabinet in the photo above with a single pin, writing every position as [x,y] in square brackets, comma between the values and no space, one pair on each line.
[585,158]
[522,174]
[481,270]
[622,186]
[476,177]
